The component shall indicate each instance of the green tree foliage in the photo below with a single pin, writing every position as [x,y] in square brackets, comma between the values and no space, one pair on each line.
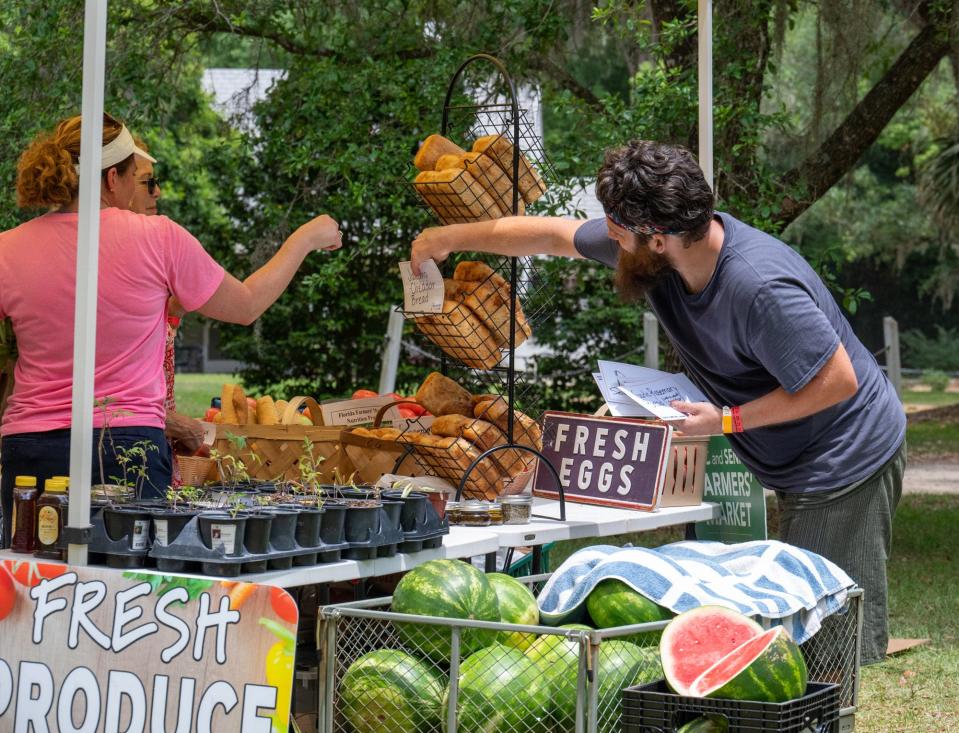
[364,84]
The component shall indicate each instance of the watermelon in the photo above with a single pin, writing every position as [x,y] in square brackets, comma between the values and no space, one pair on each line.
[557,658]
[516,606]
[695,640]
[766,668]
[390,691]
[500,691]
[614,603]
[712,723]
[621,664]
[449,589]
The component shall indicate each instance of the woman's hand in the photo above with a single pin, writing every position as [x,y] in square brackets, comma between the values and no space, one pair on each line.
[431,244]
[321,233]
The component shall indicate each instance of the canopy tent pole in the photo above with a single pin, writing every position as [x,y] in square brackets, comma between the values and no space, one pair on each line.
[705,38]
[88,246]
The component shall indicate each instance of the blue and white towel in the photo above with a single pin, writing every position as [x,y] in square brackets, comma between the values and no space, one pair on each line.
[772,581]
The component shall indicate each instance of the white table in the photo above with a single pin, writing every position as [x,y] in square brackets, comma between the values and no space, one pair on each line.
[588,520]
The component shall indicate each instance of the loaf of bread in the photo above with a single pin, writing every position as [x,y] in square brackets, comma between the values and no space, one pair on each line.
[266,411]
[241,407]
[434,148]
[476,271]
[450,457]
[500,150]
[495,180]
[456,196]
[491,305]
[525,430]
[484,436]
[442,396]
[462,335]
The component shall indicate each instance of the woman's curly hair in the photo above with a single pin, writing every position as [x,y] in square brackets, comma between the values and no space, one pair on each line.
[647,182]
[46,176]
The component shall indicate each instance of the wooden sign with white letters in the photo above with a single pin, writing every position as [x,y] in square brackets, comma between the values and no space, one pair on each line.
[603,460]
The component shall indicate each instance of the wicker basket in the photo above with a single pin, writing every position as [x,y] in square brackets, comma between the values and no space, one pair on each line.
[278,448]
[373,457]
[195,470]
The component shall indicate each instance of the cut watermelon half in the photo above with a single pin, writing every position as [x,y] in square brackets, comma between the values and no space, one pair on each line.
[767,668]
[695,640]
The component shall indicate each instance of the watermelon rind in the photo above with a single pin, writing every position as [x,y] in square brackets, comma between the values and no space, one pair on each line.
[390,691]
[711,723]
[448,589]
[614,603]
[696,639]
[517,605]
[500,691]
[774,671]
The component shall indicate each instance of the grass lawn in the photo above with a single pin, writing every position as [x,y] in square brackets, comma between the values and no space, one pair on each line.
[193,391]
[918,691]
[929,399]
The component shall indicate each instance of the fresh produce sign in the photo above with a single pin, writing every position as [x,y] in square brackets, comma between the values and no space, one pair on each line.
[92,650]
[609,461]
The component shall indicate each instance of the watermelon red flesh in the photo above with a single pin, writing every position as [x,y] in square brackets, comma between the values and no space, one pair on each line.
[768,668]
[695,640]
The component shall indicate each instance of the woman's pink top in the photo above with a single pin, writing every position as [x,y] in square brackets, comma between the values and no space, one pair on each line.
[143,259]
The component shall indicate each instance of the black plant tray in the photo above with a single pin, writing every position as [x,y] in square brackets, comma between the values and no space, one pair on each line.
[114,553]
[652,708]
[187,551]
[415,542]
[382,542]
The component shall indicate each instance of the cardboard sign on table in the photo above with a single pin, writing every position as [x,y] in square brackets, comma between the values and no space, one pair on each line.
[94,649]
[617,462]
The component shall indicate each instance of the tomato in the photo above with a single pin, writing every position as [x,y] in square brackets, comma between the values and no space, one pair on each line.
[211,414]
[416,408]
[406,413]
[30,572]
[364,393]
[8,593]
[283,605]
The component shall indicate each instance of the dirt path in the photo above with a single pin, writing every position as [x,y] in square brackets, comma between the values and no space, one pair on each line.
[931,478]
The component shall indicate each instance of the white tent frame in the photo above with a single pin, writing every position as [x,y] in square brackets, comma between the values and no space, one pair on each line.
[88,237]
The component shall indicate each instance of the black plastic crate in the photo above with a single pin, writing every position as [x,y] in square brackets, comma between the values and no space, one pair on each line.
[653,708]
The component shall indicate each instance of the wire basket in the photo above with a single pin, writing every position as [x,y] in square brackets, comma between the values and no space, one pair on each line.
[431,684]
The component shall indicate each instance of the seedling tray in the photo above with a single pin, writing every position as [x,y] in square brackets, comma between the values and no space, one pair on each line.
[187,552]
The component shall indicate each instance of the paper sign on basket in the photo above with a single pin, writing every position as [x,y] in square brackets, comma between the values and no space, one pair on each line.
[601,460]
[423,294]
[357,412]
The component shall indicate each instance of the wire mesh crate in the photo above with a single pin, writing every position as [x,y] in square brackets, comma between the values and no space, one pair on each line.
[383,671]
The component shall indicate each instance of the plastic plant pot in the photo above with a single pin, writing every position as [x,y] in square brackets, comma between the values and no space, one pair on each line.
[333,523]
[282,535]
[219,529]
[308,521]
[168,523]
[357,492]
[392,511]
[362,522]
[131,522]
[256,539]
[415,507]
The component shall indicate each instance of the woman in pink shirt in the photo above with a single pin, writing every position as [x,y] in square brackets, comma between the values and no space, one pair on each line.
[142,261]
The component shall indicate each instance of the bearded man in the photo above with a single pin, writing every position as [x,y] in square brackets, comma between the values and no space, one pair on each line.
[804,403]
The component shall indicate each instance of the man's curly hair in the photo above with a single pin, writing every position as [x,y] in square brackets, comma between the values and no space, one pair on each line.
[647,182]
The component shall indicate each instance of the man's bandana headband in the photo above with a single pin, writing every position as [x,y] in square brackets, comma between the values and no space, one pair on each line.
[646,230]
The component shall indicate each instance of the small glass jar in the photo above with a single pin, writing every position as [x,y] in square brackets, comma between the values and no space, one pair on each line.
[453,512]
[475,515]
[516,509]
[495,513]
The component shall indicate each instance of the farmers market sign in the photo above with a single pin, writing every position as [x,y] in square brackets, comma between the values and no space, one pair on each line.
[742,502]
[601,460]
[92,650]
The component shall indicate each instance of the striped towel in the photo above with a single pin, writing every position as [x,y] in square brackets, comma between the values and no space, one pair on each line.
[772,581]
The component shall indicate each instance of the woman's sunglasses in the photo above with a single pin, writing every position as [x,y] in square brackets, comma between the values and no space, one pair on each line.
[152,185]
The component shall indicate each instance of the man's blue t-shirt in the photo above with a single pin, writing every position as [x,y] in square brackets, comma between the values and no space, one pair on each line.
[766,320]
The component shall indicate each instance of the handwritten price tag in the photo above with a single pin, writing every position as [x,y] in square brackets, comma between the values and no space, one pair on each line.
[423,294]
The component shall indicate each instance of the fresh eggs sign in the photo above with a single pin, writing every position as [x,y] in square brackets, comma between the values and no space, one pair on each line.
[92,650]
[609,461]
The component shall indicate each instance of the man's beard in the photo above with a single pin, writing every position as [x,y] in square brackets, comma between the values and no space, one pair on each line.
[638,272]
